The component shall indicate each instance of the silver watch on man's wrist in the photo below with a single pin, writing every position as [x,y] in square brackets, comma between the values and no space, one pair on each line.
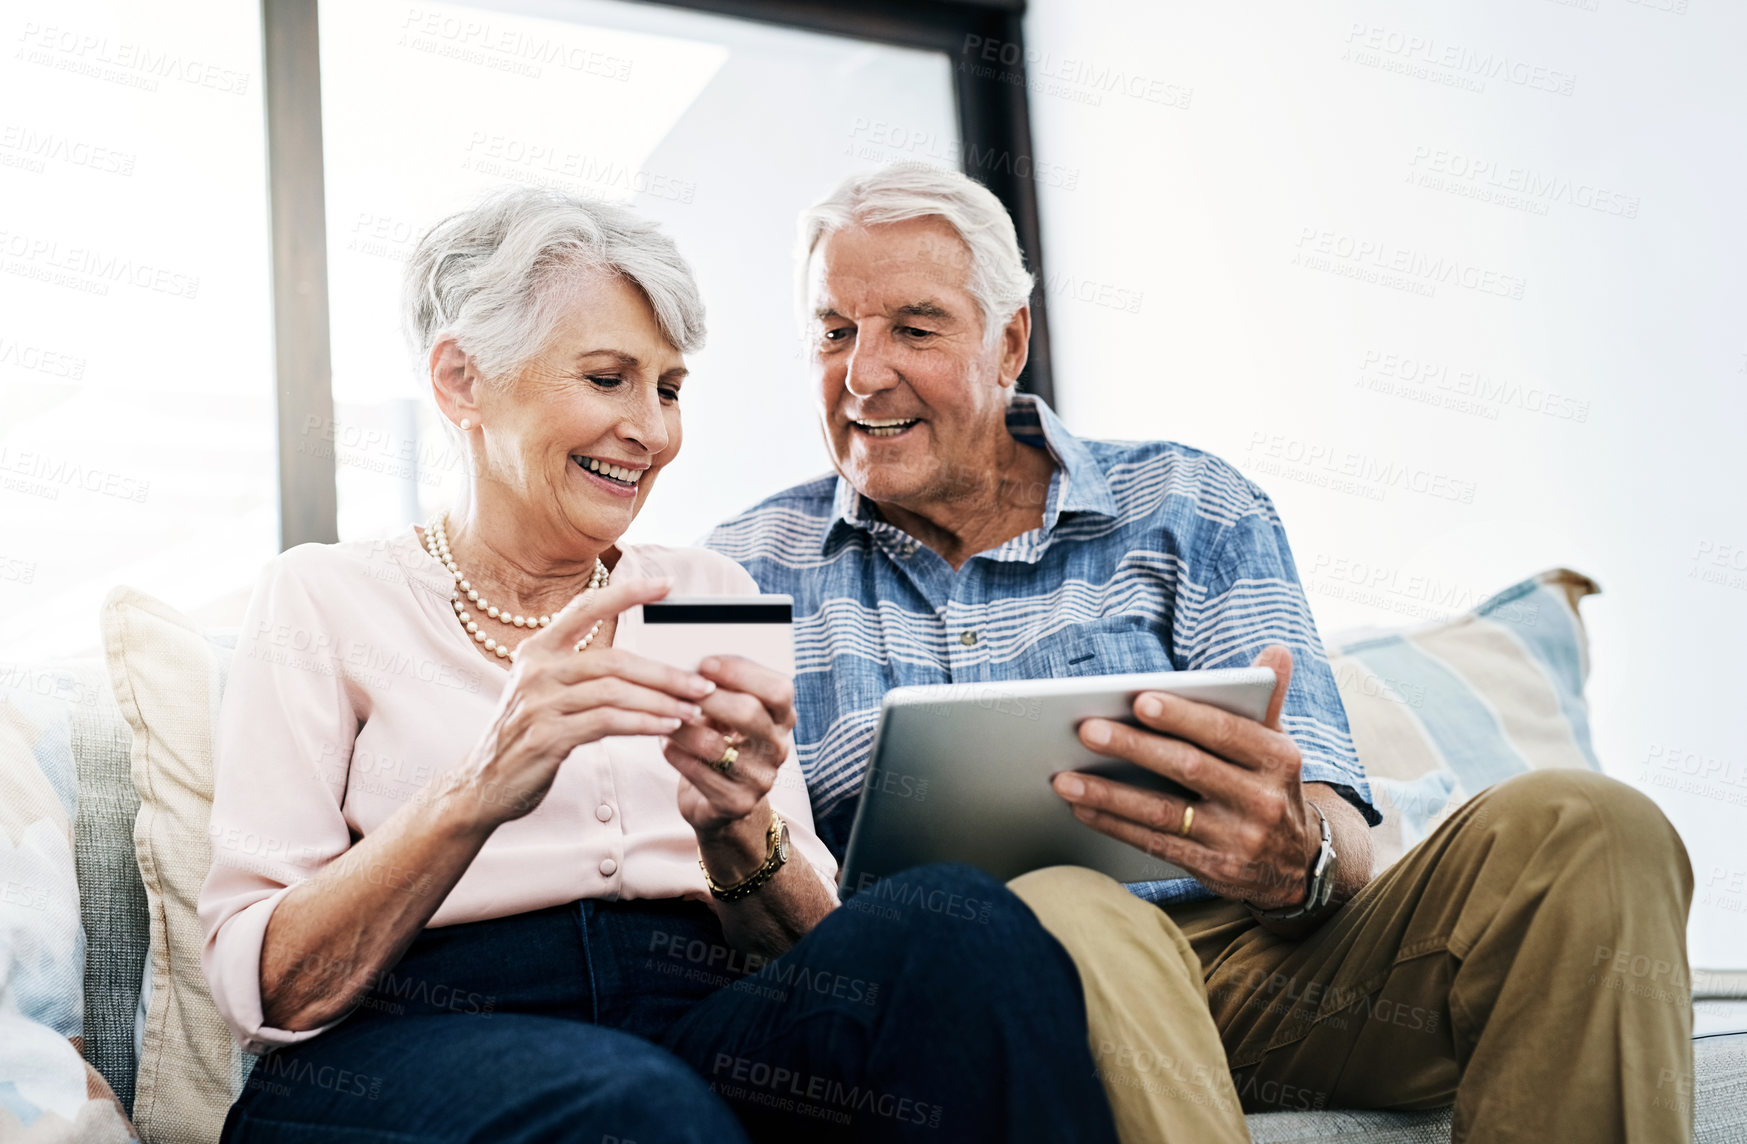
[1320,886]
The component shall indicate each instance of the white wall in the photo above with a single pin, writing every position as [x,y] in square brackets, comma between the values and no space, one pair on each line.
[1245,255]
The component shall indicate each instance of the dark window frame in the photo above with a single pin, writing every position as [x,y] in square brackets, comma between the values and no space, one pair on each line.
[983,39]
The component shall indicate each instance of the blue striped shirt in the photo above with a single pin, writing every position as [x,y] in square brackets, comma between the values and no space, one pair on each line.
[1152,557]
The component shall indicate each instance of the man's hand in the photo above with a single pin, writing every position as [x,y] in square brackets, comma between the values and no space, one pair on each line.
[1254,835]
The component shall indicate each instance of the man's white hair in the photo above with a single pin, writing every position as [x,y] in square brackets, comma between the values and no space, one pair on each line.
[493,277]
[998,279]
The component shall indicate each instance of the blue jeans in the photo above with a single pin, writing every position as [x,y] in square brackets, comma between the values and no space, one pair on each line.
[931,1006]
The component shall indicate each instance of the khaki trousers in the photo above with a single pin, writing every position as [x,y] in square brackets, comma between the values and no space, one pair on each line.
[1527,963]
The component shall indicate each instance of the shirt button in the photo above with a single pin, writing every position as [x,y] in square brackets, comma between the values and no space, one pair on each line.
[910,548]
[603,812]
[608,867]
[968,638]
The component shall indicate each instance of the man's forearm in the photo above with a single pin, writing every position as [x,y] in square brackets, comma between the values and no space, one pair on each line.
[1352,840]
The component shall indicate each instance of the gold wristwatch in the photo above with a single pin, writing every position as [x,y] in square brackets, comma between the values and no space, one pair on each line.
[776,841]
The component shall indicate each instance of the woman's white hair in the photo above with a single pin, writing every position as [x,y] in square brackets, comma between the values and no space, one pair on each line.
[998,279]
[493,277]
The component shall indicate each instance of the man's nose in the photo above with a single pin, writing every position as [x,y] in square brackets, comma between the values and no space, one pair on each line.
[870,370]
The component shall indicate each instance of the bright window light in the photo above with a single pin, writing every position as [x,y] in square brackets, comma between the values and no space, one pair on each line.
[721,129]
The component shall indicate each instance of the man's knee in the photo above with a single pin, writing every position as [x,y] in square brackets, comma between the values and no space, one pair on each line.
[1576,809]
[1066,896]
[1098,919]
[1067,883]
[1540,797]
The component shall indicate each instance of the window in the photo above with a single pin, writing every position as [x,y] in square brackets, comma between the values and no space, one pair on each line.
[208,207]
[137,433]
[720,128]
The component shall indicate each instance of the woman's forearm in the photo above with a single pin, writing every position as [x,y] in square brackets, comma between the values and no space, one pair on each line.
[781,911]
[332,936]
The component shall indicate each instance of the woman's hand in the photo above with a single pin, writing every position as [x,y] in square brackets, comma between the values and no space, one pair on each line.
[752,710]
[556,700]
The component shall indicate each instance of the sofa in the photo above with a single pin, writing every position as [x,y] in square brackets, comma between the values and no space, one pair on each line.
[121,745]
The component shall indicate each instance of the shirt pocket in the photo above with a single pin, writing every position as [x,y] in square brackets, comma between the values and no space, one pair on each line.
[1114,645]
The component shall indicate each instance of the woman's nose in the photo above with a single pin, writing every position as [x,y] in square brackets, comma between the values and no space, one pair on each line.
[645,425]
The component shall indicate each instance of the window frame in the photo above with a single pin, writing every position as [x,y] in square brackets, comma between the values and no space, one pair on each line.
[994,131]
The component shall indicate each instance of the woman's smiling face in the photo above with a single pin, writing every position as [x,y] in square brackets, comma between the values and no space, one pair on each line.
[575,440]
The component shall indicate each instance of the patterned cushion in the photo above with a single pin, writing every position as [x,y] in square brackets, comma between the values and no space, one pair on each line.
[1441,712]
[168,677]
[48,1094]
[112,900]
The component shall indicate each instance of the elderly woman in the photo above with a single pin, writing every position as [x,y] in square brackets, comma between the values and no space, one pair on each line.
[484,872]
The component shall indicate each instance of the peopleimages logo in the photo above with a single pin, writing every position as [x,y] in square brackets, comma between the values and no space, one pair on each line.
[88,269]
[1320,248]
[503,48]
[1426,57]
[1082,80]
[547,163]
[135,65]
[40,360]
[1346,470]
[59,473]
[1464,390]
[1455,168]
[40,147]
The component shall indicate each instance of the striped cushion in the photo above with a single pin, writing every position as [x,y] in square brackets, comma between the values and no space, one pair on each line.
[1441,712]
[48,1095]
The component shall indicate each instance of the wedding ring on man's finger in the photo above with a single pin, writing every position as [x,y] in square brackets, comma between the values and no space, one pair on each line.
[1188,821]
[725,764]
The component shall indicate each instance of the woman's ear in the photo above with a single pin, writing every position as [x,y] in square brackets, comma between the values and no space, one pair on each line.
[455,383]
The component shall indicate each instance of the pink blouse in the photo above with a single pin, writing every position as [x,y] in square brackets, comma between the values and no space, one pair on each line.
[353,685]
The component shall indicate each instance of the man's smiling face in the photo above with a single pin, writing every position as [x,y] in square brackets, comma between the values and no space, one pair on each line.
[908,390]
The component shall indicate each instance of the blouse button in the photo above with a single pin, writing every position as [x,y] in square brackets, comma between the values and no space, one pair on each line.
[603,812]
[608,867]
[968,639]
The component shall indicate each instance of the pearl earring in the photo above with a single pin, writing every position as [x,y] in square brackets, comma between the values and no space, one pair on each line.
[466,425]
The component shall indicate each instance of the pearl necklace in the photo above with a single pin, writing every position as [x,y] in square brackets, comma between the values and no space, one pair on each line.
[437,544]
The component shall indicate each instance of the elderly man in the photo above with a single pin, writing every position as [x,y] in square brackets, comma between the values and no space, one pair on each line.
[968,536]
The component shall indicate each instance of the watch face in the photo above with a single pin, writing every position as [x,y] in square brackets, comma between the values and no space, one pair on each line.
[782,843]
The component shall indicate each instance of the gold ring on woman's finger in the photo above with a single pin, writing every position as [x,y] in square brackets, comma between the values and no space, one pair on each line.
[725,764]
[1188,820]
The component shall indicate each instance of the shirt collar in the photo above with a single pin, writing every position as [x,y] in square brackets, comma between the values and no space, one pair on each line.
[1077,486]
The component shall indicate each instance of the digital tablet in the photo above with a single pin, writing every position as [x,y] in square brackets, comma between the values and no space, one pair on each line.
[960,773]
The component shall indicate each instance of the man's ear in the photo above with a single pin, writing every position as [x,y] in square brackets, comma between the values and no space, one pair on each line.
[1015,346]
[454,382]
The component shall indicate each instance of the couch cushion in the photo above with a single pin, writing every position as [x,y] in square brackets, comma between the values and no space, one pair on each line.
[168,677]
[1442,711]
[112,900]
[1720,1095]
[48,1093]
